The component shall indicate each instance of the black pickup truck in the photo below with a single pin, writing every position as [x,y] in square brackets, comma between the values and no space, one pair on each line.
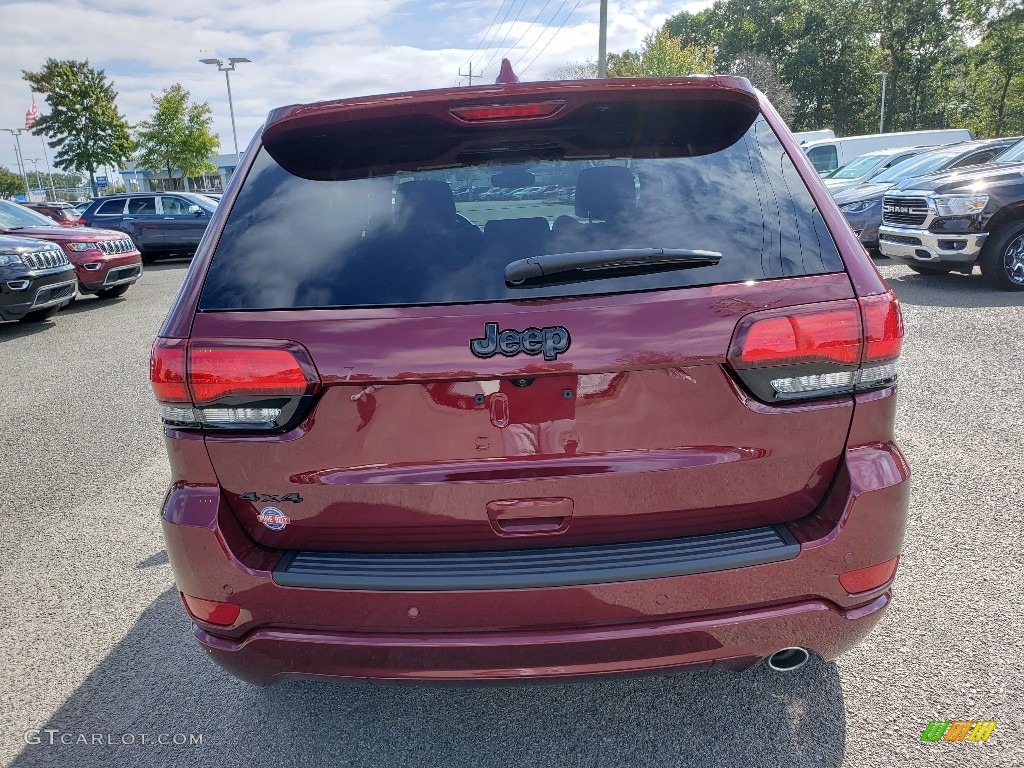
[949,222]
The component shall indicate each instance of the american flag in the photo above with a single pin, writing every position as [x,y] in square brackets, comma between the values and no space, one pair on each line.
[31,116]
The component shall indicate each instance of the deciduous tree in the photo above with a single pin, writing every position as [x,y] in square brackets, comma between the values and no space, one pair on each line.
[177,136]
[662,55]
[999,77]
[11,183]
[83,123]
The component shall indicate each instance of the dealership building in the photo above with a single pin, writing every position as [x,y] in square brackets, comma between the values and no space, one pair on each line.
[139,180]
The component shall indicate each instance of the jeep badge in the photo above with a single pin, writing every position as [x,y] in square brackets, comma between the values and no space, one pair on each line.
[533,341]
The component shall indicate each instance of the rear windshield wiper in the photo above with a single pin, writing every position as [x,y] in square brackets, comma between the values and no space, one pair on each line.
[593,265]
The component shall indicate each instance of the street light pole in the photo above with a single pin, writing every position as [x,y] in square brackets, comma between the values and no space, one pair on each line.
[16,132]
[227,68]
[49,171]
[35,167]
[602,41]
[881,115]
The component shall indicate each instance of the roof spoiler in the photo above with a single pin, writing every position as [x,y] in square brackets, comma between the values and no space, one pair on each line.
[347,138]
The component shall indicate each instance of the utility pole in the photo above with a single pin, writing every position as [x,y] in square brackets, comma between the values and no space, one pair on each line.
[602,41]
[470,74]
[16,132]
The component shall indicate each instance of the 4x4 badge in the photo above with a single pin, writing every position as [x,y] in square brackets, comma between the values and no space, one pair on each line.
[533,341]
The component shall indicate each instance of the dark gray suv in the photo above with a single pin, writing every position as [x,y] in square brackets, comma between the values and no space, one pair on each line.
[36,279]
[160,223]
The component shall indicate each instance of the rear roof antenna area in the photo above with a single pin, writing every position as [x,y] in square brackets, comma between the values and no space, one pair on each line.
[506,76]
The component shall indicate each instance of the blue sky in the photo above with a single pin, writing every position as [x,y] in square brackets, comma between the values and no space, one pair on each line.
[301,50]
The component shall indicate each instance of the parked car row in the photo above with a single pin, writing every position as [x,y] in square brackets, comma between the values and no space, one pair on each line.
[159,224]
[944,209]
[829,154]
[44,266]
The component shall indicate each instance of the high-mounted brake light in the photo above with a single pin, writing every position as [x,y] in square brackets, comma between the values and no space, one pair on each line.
[819,350]
[483,112]
[223,384]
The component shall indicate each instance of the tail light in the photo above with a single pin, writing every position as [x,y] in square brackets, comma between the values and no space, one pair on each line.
[229,385]
[819,350]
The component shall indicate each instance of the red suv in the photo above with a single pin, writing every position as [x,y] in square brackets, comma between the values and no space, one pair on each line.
[64,214]
[107,263]
[644,426]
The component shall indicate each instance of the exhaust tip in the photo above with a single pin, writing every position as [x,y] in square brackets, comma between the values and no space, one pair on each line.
[788,659]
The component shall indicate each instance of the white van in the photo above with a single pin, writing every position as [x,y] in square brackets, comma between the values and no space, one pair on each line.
[803,137]
[829,154]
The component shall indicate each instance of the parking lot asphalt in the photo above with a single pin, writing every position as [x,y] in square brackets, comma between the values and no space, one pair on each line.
[94,644]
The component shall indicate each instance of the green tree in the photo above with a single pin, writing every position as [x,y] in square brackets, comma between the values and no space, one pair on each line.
[733,27]
[999,77]
[41,180]
[177,136]
[662,55]
[823,53]
[828,51]
[83,124]
[831,64]
[11,183]
[916,40]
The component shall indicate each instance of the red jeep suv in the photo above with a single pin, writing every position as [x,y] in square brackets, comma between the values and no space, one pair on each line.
[640,424]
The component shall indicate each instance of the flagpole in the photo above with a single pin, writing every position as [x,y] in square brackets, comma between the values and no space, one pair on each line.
[42,139]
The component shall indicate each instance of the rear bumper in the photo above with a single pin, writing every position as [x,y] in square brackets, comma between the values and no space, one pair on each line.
[731,618]
[735,641]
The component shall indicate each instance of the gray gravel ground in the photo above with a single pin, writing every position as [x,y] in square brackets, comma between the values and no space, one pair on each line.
[94,641]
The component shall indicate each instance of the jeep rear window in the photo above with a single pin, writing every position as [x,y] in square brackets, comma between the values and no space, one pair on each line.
[422,235]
